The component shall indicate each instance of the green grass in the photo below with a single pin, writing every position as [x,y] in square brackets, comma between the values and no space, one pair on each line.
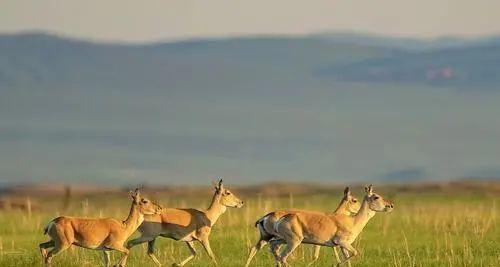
[424,230]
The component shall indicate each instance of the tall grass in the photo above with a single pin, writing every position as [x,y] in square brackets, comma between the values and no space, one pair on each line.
[423,230]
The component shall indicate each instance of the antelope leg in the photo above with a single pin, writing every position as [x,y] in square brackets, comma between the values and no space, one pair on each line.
[190,257]
[208,249]
[315,255]
[260,244]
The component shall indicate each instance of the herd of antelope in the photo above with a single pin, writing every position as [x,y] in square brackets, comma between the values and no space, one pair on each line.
[284,227]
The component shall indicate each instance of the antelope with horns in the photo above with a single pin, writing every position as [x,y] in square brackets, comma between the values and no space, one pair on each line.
[325,229]
[104,234]
[186,225]
[349,205]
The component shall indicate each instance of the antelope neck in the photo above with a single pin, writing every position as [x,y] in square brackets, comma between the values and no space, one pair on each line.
[364,215]
[215,210]
[134,219]
[342,207]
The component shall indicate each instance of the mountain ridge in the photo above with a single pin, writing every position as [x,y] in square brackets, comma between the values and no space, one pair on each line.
[254,109]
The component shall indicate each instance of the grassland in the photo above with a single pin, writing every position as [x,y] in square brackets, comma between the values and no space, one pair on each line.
[432,228]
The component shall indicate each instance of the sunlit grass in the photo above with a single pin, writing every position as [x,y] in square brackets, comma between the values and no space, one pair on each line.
[423,230]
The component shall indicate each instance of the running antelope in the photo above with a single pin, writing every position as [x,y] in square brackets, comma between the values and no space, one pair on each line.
[325,229]
[349,205]
[104,234]
[186,225]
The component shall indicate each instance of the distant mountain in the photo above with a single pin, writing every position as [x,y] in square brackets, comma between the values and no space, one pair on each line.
[465,67]
[320,108]
[405,43]
[40,59]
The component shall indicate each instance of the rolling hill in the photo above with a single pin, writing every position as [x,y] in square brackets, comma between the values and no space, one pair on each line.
[319,108]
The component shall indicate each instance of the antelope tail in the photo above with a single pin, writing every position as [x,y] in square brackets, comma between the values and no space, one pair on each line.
[261,220]
[49,225]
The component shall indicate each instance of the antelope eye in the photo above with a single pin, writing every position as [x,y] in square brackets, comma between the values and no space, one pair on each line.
[354,200]
[228,193]
[376,198]
[144,201]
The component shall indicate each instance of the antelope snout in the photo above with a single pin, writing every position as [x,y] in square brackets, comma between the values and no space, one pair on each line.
[389,206]
[240,204]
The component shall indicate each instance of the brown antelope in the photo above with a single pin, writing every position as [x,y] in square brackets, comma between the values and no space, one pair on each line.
[326,229]
[104,234]
[186,225]
[349,205]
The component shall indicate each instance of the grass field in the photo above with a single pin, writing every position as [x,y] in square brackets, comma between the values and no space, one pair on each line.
[425,229]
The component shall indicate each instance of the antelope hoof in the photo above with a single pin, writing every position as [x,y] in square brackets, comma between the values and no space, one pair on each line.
[176,265]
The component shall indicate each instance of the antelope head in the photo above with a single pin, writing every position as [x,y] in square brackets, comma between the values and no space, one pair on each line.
[144,205]
[226,197]
[376,202]
[352,203]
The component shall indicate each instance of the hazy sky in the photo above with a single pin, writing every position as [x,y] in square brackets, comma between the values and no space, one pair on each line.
[132,20]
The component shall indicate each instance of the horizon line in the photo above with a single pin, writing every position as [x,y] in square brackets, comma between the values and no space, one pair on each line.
[317,34]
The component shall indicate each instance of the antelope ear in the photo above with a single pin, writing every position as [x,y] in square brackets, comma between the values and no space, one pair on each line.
[369,190]
[221,185]
[218,186]
[347,191]
[135,195]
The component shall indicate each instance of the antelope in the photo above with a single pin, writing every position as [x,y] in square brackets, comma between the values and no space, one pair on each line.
[325,229]
[104,234]
[349,205]
[187,225]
